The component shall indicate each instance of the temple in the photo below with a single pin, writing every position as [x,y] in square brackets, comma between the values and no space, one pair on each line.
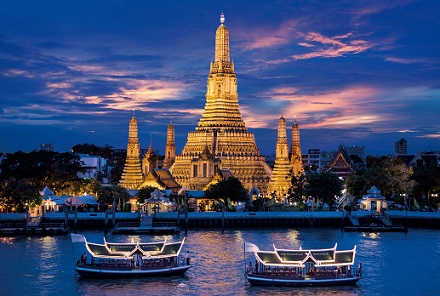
[341,165]
[221,140]
[287,163]
[280,180]
[170,147]
[132,174]
[295,152]
[149,161]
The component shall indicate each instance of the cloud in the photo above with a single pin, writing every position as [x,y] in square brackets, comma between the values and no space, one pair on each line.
[374,7]
[405,60]
[331,47]
[18,73]
[407,131]
[348,107]
[268,37]
[305,44]
[430,136]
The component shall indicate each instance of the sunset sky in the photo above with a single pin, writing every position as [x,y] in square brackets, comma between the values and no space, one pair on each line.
[351,72]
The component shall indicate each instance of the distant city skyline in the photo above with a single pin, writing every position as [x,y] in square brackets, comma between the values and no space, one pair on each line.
[362,73]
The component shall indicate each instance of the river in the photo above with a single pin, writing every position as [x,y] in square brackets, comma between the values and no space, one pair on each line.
[393,263]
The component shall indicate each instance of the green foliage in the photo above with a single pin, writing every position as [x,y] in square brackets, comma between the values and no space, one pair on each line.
[144,193]
[297,190]
[229,188]
[14,194]
[42,168]
[324,186]
[117,163]
[356,184]
[90,149]
[257,203]
[79,186]
[389,174]
[108,194]
[427,182]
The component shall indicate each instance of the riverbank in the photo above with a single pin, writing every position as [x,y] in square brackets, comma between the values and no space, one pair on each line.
[85,220]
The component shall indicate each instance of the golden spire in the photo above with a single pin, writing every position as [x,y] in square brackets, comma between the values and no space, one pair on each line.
[280,178]
[170,147]
[132,175]
[222,42]
[295,151]
[221,140]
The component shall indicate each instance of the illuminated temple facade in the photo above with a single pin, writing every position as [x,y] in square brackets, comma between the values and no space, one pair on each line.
[287,163]
[295,152]
[132,174]
[221,140]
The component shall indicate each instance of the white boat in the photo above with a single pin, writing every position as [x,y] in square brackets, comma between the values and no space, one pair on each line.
[302,267]
[134,259]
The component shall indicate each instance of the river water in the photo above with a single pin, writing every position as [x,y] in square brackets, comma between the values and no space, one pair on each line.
[393,263]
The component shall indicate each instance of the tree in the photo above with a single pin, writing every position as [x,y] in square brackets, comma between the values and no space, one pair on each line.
[144,193]
[297,190]
[230,188]
[91,149]
[15,194]
[389,174]
[356,184]
[42,168]
[324,186]
[117,163]
[427,182]
[109,194]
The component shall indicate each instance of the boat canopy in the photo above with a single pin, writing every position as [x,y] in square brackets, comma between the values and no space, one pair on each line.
[127,250]
[298,258]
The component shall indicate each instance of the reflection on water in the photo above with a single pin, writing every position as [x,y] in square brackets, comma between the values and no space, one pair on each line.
[44,265]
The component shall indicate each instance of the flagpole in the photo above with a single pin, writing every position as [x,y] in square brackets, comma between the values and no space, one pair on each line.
[244,255]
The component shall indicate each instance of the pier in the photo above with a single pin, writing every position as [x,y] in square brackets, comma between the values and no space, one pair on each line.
[228,220]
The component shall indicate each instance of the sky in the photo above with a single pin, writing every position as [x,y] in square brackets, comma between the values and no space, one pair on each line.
[348,72]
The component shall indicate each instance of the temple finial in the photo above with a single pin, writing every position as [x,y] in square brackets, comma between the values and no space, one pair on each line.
[222,18]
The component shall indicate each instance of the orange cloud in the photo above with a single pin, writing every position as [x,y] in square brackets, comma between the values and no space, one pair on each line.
[345,108]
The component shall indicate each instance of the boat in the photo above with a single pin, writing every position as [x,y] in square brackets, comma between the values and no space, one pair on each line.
[133,259]
[302,267]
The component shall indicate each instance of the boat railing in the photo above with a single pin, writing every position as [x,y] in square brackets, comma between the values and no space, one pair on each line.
[146,263]
[299,273]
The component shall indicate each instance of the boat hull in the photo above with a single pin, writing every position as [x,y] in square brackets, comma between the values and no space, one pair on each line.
[96,272]
[300,282]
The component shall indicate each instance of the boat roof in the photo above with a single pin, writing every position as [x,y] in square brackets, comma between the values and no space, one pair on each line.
[126,250]
[298,257]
